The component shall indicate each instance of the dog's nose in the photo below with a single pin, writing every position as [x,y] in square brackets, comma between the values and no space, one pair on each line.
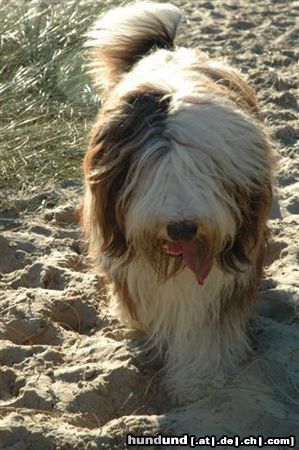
[181,231]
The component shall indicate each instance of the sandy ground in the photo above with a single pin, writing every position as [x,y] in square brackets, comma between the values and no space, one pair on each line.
[70,376]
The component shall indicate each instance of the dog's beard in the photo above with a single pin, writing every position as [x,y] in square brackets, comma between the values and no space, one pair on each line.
[168,258]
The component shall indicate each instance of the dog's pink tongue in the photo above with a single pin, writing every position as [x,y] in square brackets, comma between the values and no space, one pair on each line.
[196,260]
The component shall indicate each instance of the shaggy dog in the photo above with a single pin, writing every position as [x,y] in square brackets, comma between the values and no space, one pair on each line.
[178,177]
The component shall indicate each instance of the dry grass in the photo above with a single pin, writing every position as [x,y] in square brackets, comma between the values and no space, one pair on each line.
[46,100]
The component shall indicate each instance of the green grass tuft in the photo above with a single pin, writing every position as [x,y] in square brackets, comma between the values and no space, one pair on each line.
[47,103]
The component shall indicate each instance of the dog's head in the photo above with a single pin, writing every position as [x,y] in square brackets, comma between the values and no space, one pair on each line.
[178,166]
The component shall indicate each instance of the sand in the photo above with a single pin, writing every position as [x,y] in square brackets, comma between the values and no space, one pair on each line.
[71,377]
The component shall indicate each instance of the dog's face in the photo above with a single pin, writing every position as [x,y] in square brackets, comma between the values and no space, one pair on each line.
[179,177]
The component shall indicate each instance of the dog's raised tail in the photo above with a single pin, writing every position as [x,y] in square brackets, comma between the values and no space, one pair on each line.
[125,34]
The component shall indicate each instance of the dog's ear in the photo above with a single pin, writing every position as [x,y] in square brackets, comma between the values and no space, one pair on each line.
[252,232]
[234,84]
[118,137]
[105,169]
[124,35]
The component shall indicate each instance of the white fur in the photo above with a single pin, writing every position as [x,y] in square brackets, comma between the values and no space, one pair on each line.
[183,320]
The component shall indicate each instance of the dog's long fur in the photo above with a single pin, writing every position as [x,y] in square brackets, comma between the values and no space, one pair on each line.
[178,138]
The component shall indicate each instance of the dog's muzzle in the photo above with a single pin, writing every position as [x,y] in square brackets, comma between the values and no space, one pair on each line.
[184,240]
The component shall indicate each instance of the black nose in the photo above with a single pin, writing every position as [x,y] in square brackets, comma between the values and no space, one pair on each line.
[181,231]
